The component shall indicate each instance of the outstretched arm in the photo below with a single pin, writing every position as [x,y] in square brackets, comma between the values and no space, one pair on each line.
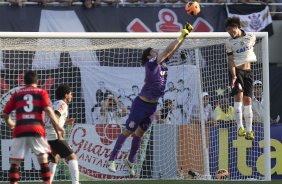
[173,46]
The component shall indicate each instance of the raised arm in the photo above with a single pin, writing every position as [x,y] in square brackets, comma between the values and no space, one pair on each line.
[173,46]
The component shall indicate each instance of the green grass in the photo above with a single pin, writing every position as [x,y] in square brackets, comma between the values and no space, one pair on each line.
[161,182]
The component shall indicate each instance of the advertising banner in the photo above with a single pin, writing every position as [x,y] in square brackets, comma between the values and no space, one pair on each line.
[93,145]
[244,158]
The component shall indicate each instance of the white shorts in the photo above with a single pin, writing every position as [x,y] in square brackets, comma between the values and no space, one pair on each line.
[20,147]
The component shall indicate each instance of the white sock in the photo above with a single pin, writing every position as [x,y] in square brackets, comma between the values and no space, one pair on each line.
[73,166]
[248,115]
[238,114]
[52,167]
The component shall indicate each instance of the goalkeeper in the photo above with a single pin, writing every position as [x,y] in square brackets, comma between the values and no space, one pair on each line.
[144,106]
[240,53]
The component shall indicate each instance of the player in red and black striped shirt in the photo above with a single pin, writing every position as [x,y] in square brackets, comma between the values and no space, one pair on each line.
[28,131]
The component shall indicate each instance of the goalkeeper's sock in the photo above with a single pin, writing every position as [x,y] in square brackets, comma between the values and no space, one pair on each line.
[238,114]
[135,145]
[248,116]
[118,146]
[73,166]
[52,167]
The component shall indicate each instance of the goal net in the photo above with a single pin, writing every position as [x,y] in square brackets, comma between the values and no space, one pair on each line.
[182,141]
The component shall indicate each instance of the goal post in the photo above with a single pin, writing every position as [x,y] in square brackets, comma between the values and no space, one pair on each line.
[107,64]
[266,104]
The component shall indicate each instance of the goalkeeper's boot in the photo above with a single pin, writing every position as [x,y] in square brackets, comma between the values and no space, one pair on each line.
[241,132]
[129,165]
[250,135]
[112,166]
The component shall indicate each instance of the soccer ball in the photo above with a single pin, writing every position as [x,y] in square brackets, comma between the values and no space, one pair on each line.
[192,8]
[221,174]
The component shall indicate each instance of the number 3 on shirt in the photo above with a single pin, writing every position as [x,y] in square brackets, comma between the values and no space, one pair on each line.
[29,99]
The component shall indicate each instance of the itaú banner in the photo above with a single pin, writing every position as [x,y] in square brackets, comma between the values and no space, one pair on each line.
[244,158]
[93,145]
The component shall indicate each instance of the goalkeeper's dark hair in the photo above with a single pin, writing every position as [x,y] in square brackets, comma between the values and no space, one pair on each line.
[30,77]
[145,54]
[232,21]
[61,91]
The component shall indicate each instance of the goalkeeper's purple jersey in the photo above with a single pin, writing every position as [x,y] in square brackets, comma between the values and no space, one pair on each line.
[155,79]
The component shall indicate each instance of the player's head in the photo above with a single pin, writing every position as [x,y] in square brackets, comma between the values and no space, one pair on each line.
[63,92]
[232,22]
[30,77]
[148,54]
[232,26]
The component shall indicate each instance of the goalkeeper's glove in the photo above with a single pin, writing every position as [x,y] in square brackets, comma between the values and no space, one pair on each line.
[187,28]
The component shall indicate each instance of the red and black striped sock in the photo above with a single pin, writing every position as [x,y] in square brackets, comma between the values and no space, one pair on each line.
[45,172]
[14,175]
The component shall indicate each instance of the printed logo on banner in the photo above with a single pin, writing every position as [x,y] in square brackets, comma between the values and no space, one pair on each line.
[108,132]
[255,22]
[3,101]
[93,145]
[248,159]
[168,21]
[256,18]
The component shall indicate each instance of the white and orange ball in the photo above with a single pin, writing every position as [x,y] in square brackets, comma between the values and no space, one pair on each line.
[192,8]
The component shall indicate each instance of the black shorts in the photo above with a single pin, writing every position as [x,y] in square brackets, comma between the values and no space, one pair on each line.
[245,79]
[61,148]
